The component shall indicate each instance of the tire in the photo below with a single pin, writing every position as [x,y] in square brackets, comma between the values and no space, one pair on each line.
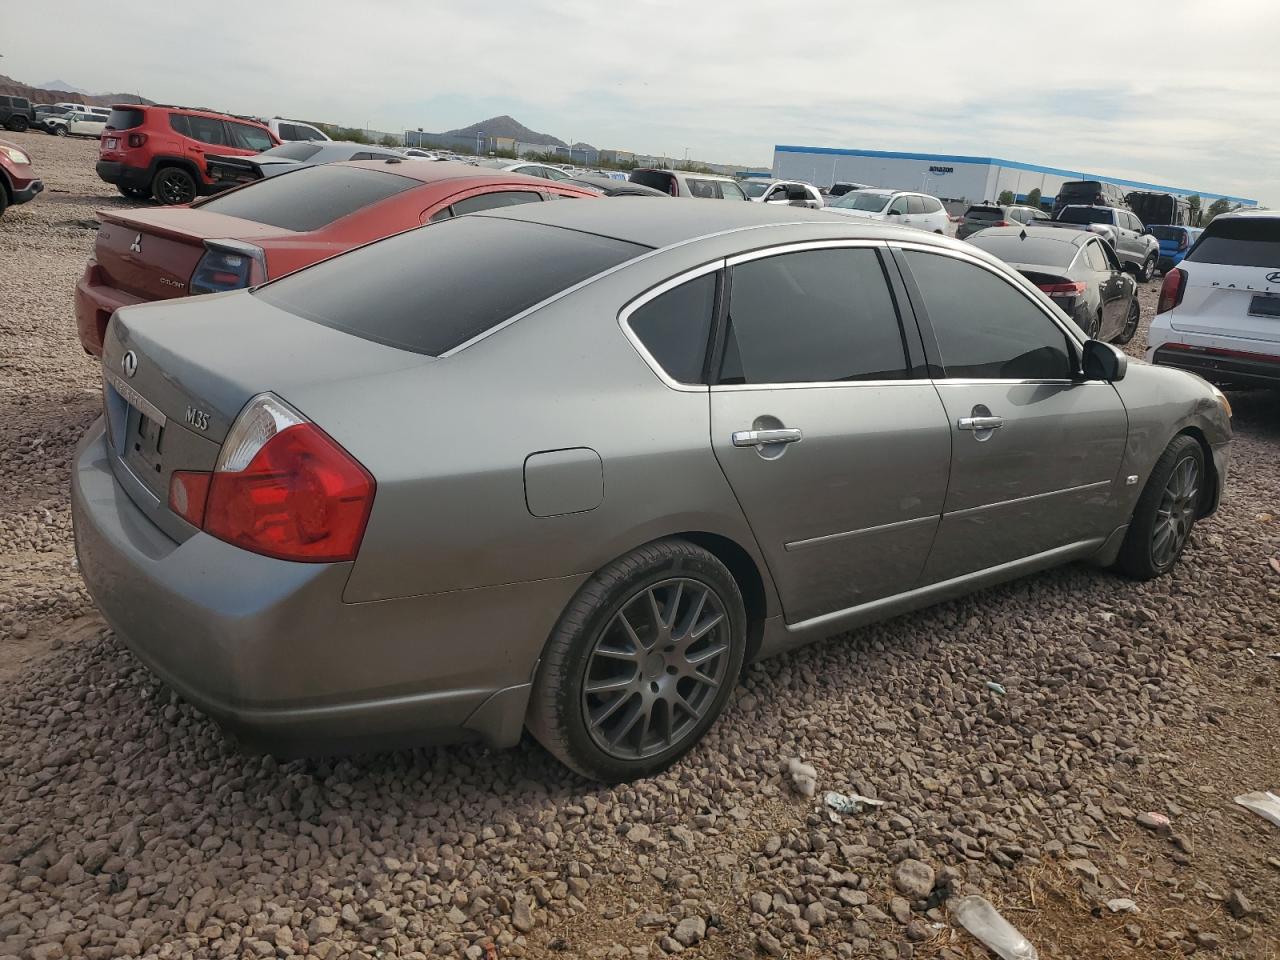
[648,611]
[1130,324]
[18,124]
[1165,514]
[59,131]
[1148,269]
[1095,327]
[133,193]
[173,185]
[4,199]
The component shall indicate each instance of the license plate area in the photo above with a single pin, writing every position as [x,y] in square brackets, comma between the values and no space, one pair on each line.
[1263,305]
[111,143]
[144,447]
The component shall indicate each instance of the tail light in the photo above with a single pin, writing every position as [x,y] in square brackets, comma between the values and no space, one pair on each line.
[1183,240]
[1002,223]
[228,265]
[1074,289]
[282,487]
[136,139]
[1171,291]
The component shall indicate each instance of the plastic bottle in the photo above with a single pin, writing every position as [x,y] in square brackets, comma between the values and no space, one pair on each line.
[982,920]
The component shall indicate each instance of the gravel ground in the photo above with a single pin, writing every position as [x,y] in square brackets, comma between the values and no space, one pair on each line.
[131,826]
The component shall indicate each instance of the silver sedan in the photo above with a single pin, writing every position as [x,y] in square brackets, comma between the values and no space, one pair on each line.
[568,466]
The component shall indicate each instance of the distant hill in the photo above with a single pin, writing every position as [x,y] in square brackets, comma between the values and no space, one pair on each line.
[505,126]
[63,85]
[46,94]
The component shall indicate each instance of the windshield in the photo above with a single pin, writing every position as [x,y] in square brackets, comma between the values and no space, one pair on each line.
[299,150]
[858,200]
[755,189]
[1086,215]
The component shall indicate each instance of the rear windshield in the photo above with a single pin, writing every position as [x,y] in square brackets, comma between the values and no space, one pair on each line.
[1167,233]
[294,150]
[1243,243]
[124,119]
[984,213]
[857,200]
[1080,188]
[1086,215]
[652,178]
[434,288]
[309,198]
[1044,251]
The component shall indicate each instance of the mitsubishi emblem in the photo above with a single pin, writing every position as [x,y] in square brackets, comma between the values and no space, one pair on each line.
[136,246]
[129,363]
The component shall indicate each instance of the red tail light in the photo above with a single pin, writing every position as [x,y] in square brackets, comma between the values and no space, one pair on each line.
[1064,289]
[137,139]
[1183,240]
[1002,223]
[1171,291]
[188,492]
[283,488]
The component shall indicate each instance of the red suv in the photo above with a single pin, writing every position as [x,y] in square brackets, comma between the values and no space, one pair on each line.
[159,151]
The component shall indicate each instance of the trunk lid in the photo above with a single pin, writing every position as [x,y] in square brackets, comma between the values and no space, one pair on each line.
[1231,301]
[176,376]
[153,253]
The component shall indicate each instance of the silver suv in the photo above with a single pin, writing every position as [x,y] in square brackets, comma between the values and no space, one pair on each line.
[684,183]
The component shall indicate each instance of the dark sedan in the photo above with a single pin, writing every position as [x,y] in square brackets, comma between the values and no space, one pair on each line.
[230,171]
[614,188]
[1079,272]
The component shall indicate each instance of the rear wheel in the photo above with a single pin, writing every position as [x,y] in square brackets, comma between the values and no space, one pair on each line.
[18,124]
[641,663]
[1148,268]
[1095,326]
[173,185]
[1165,513]
[1130,324]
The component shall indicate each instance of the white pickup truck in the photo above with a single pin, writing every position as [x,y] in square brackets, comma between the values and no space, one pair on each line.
[1137,248]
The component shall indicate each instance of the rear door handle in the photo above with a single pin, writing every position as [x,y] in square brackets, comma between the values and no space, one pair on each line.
[980,423]
[752,438]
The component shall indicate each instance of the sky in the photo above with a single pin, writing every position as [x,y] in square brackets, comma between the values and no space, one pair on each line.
[1181,92]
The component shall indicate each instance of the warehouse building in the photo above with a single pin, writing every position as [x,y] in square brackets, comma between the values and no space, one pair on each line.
[949,177]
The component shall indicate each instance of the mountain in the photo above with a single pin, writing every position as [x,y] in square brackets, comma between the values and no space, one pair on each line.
[63,85]
[48,94]
[505,126]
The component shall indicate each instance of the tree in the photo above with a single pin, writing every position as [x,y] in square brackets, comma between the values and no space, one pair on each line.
[390,141]
[1006,198]
[1033,198]
[1219,206]
[1193,203]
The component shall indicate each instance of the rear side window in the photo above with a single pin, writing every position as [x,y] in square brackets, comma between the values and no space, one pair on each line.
[178,124]
[310,198]
[432,289]
[675,325]
[124,119]
[486,201]
[812,317]
[250,138]
[1242,242]
[287,131]
[915,205]
[653,178]
[986,329]
[1167,233]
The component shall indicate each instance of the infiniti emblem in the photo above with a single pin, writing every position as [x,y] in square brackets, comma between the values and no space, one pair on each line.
[129,363]
[1273,277]
[136,246]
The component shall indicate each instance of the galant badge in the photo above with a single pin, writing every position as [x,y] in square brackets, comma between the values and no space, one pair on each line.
[136,246]
[1273,276]
[129,363]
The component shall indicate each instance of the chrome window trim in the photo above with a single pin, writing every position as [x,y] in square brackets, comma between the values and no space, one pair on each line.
[815,384]
[653,252]
[624,321]
[799,246]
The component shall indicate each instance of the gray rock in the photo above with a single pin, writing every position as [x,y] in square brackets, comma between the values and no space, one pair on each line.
[1239,905]
[522,915]
[913,879]
[769,945]
[690,931]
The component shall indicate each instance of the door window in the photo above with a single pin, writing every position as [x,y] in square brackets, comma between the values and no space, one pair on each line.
[900,205]
[674,327]
[986,328]
[915,205]
[207,130]
[250,138]
[491,201]
[731,191]
[1094,256]
[814,316]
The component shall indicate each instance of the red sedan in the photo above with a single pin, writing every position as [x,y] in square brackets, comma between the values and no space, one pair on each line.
[266,229]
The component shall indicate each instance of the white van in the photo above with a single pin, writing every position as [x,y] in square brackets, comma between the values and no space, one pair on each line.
[685,183]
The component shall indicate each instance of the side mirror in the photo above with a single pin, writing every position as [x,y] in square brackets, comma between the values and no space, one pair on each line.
[894,213]
[1102,361]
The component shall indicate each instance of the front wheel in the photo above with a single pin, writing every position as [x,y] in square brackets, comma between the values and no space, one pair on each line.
[59,131]
[1165,513]
[641,663]
[1130,324]
[1148,269]
[173,185]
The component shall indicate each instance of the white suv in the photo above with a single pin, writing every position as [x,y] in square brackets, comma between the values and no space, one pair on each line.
[684,183]
[917,210]
[1219,310]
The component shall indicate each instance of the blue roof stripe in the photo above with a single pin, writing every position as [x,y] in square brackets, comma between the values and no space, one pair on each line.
[1012,164]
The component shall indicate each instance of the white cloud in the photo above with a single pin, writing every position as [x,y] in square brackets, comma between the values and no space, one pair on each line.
[1179,93]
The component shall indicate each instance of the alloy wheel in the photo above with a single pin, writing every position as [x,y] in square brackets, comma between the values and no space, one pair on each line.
[175,188]
[1176,513]
[655,669]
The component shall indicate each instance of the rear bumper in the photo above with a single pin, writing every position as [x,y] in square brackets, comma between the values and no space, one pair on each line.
[124,175]
[268,648]
[1221,366]
[95,303]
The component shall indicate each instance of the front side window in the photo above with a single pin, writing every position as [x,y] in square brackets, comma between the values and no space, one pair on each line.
[289,132]
[812,317]
[731,191]
[900,205]
[986,328]
[703,189]
[675,325]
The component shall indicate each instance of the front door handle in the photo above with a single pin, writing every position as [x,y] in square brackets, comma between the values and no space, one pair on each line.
[753,438]
[980,423]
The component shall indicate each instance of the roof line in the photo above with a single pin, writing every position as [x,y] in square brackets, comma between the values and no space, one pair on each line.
[1012,164]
